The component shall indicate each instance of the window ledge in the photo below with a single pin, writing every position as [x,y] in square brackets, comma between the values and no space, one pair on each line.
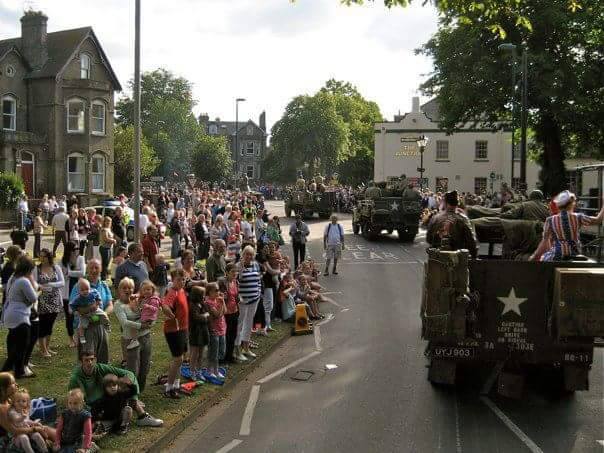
[442,160]
[98,134]
[76,132]
[481,160]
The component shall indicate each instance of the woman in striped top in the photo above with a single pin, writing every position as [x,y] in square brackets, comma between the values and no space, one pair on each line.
[250,287]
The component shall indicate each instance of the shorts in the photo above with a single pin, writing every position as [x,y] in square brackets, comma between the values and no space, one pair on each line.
[333,252]
[177,342]
[199,335]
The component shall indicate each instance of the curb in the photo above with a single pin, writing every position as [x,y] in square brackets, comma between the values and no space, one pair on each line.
[187,421]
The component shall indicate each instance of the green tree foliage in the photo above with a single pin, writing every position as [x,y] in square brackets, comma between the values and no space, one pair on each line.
[167,119]
[472,78]
[310,132]
[124,160]
[212,158]
[11,188]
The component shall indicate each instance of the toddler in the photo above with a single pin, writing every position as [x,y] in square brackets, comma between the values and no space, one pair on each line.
[111,412]
[160,274]
[74,427]
[19,417]
[214,301]
[83,313]
[149,305]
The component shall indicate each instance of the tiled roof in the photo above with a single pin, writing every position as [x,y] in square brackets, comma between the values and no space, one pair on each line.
[431,109]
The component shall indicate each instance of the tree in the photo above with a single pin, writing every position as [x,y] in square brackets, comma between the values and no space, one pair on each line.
[311,132]
[11,188]
[566,69]
[124,160]
[167,119]
[212,158]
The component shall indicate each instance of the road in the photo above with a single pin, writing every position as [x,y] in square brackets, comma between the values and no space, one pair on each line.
[377,398]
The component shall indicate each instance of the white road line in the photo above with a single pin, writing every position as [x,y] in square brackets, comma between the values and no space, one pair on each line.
[228,447]
[532,446]
[246,420]
[345,263]
[331,292]
[329,300]
[457,430]
[330,317]
[280,371]
[317,333]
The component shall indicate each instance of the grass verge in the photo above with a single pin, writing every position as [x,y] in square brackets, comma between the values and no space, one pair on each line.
[53,376]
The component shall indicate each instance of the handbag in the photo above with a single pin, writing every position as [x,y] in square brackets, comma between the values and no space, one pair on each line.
[43,409]
[288,308]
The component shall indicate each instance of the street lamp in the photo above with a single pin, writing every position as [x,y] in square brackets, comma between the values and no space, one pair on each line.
[523,105]
[422,142]
[237,101]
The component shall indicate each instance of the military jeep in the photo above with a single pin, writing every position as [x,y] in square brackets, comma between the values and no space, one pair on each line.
[372,216]
[306,203]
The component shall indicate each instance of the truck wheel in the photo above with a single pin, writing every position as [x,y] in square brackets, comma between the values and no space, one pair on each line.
[324,215]
[406,236]
[355,228]
[390,230]
[366,231]
[288,211]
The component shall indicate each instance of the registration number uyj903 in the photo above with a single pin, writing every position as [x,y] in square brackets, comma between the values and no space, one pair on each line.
[453,352]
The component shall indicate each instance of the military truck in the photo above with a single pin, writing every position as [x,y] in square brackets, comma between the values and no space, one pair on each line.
[510,317]
[387,209]
[306,203]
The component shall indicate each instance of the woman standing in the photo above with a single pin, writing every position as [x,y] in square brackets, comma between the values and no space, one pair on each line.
[175,233]
[193,276]
[49,277]
[250,285]
[219,230]
[93,233]
[13,252]
[232,310]
[73,267]
[106,242]
[138,360]
[39,225]
[202,236]
[20,297]
[83,230]
[73,234]
[97,337]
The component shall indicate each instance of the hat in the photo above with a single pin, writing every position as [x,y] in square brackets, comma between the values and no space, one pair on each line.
[536,195]
[452,198]
[564,198]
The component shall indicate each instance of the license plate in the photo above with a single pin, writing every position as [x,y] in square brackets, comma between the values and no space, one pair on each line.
[453,352]
[577,357]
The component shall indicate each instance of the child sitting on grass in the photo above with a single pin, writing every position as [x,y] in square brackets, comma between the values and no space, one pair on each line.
[86,308]
[19,417]
[148,305]
[111,412]
[74,427]
[215,302]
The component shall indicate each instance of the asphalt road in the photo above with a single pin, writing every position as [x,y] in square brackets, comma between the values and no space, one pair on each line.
[377,398]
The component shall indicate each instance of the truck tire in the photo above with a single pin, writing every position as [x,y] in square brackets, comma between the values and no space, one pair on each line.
[324,215]
[355,228]
[406,236]
[288,211]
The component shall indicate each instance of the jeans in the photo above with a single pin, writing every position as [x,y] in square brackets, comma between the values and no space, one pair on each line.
[68,318]
[216,350]
[138,360]
[105,260]
[60,236]
[17,343]
[268,306]
[37,241]
[231,334]
[175,245]
[299,253]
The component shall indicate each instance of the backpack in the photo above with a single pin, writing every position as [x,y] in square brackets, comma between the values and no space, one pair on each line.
[339,229]
[43,409]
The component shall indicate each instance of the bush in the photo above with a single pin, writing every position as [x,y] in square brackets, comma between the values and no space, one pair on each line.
[11,188]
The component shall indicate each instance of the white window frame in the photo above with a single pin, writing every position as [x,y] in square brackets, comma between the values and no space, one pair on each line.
[10,71]
[257,148]
[80,117]
[11,115]
[212,129]
[247,171]
[478,149]
[85,65]
[442,149]
[82,173]
[249,148]
[101,157]
[96,118]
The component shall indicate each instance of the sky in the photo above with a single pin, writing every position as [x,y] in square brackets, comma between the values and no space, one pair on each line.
[266,51]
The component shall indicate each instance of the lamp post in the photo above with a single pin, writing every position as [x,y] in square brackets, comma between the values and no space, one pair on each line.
[137,119]
[422,142]
[237,101]
[523,105]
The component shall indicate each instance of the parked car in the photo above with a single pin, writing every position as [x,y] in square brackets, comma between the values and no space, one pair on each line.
[108,209]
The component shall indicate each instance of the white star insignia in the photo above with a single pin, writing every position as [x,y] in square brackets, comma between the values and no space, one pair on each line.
[512,303]
[394,206]
[318,198]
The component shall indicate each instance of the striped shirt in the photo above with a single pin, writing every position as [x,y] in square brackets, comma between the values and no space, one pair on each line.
[562,232]
[250,282]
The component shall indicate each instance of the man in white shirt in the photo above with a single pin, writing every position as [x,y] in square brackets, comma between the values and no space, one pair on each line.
[246,228]
[58,223]
[144,221]
[333,243]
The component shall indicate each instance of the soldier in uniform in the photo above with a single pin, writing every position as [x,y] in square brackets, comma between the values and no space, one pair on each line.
[451,228]
[534,208]
[373,192]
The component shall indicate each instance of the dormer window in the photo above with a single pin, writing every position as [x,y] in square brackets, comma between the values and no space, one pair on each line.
[213,129]
[9,113]
[84,66]
[9,71]
[250,130]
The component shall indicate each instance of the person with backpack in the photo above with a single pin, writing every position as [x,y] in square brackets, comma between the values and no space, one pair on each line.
[333,243]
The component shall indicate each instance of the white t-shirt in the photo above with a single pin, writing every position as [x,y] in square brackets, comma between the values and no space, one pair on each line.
[58,221]
[143,223]
[334,233]
[246,230]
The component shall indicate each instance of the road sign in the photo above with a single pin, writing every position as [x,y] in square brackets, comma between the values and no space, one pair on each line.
[156,178]
[409,139]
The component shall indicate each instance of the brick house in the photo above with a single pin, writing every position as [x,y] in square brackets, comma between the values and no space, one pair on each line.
[57,91]
[251,139]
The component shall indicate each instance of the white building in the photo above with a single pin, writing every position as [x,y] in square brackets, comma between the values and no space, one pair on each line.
[471,160]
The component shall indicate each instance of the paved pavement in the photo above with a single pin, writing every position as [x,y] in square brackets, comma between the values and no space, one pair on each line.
[359,385]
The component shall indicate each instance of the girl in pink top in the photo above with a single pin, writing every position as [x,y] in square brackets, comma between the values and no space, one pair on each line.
[214,301]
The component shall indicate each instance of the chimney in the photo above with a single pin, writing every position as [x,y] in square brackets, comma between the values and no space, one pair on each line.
[34,44]
[204,119]
[415,104]
[262,122]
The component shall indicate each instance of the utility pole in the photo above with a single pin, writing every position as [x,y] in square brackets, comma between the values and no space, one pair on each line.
[137,119]
[523,115]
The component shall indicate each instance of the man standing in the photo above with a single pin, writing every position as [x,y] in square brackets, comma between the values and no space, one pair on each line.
[134,267]
[333,242]
[59,224]
[299,231]
[150,248]
[216,264]
[118,228]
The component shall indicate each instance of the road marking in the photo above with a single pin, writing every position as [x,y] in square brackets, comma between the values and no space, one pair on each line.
[345,263]
[228,447]
[317,333]
[532,446]
[246,420]
[330,317]
[331,292]
[457,430]
[331,301]
[280,371]
[345,309]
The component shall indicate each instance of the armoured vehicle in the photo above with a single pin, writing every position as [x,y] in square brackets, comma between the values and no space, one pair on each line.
[307,203]
[387,209]
[511,316]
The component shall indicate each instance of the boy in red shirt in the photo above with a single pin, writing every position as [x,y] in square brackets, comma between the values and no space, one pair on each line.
[176,329]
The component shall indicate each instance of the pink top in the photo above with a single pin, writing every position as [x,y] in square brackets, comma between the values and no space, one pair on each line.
[217,324]
[150,309]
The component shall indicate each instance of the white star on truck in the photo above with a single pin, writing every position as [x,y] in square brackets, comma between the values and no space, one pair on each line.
[512,303]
